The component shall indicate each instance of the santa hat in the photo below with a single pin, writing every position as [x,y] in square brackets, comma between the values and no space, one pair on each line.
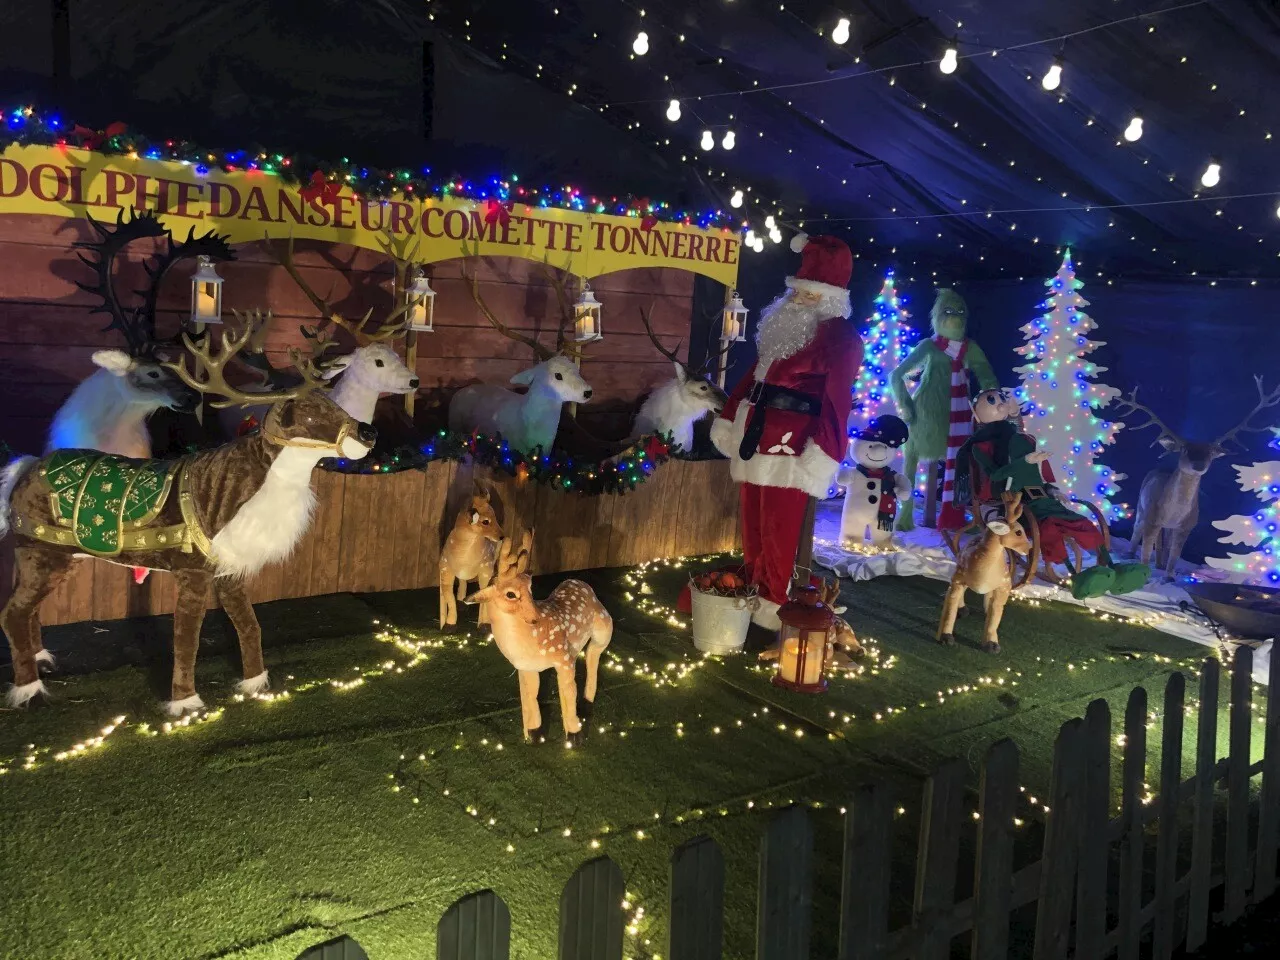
[825,266]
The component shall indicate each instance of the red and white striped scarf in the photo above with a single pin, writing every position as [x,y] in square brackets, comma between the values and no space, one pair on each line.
[961,426]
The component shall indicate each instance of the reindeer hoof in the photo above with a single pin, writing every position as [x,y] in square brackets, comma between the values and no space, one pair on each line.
[990,646]
[947,640]
[45,663]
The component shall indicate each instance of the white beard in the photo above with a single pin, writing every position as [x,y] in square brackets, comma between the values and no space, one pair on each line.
[786,327]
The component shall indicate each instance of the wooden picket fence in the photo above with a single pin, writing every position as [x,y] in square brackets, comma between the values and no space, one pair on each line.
[1098,891]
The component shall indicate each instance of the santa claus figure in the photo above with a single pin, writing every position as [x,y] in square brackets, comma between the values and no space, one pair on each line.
[783,428]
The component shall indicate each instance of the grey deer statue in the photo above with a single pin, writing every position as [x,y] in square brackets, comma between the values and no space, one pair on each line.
[1169,501]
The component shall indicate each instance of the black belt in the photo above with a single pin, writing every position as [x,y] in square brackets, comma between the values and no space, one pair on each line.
[766,396]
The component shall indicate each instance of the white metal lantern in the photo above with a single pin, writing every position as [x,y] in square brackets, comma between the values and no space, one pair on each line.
[734,328]
[206,293]
[586,316]
[422,303]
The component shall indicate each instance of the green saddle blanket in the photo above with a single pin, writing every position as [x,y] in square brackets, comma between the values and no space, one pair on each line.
[101,496]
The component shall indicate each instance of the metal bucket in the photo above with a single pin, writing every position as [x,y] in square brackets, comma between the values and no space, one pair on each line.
[720,624]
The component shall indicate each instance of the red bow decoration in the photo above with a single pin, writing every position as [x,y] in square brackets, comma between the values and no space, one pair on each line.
[655,449]
[247,425]
[496,212]
[320,187]
[93,139]
[648,223]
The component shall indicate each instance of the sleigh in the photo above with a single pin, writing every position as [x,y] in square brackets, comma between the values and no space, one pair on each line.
[1034,564]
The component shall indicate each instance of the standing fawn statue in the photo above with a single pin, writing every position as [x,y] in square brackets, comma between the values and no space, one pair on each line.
[529,420]
[1169,501]
[469,553]
[537,635]
[679,403]
[983,567]
[211,519]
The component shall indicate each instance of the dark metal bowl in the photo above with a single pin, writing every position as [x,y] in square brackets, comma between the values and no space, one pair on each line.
[1252,613]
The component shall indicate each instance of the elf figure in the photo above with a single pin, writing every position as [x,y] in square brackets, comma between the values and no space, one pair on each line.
[1000,458]
[872,487]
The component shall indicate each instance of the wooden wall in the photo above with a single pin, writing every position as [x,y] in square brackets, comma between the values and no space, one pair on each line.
[47,333]
[380,532]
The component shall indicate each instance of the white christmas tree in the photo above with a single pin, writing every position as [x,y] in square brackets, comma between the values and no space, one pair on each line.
[886,341]
[1057,385]
[1262,565]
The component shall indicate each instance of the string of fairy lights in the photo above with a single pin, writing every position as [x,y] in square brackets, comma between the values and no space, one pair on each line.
[658,37]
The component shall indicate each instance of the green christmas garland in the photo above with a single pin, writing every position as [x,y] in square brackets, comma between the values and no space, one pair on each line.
[555,470]
[25,125]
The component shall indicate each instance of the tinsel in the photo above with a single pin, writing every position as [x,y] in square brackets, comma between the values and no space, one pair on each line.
[25,125]
[556,470]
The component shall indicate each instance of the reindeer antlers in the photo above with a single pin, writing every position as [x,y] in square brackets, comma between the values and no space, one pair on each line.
[213,367]
[1131,402]
[513,560]
[388,328]
[138,325]
[647,318]
[539,351]
[1265,401]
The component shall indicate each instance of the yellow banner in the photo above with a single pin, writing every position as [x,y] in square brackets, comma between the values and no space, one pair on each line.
[248,205]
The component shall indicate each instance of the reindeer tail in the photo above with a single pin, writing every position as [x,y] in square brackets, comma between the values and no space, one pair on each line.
[8,480]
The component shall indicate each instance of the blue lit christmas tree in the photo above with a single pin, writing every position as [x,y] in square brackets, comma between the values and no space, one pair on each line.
[886,340]
[1057,384]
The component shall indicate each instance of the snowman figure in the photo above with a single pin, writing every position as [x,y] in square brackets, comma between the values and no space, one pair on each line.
[872,487]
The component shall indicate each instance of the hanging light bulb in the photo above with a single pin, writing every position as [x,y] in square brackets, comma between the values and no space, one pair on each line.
[758,246]
[750,239]
[640,46]
[728,140]
[950,59]
[673,111]
[1278,211]
[840,33]
[736,200]
[1134,130]
[1053,76]
[1212,174]
[769,222]
[775,235]
[708,140]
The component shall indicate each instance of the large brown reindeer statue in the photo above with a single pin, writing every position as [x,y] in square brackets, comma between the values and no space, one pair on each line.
[983,567]
[212,519]
[537,635]
[470,553]
[1169,501]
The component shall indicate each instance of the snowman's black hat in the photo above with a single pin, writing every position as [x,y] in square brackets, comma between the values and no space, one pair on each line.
[887,429]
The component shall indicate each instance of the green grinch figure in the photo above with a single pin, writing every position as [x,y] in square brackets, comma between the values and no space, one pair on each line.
[938,411]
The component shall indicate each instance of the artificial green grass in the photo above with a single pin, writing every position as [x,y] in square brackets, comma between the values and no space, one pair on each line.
[369,810]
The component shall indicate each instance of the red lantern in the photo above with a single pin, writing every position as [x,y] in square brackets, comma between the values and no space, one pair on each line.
[802,641]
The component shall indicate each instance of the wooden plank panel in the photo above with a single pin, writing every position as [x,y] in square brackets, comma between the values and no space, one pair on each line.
[591,915]
[400,528]
[1060,858]
[1164,936]
[785,894]
[1200,882]
[993,869]
[477,927]
[1238,868]
[602,530]
[566,524]
[437,480]
[697,901]
[864,886]
[1264,881]
[1091,889]
[937,858]
[1132,845]
[358,512]
[327,528]
[110,590]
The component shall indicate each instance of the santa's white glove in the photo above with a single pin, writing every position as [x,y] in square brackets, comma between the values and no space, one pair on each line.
[722,436]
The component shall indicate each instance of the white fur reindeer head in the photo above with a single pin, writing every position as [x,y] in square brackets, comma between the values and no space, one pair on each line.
[676,405]
[558,376]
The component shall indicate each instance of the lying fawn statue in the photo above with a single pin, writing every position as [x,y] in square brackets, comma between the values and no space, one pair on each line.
[983,568]
[537,635]
[469,553]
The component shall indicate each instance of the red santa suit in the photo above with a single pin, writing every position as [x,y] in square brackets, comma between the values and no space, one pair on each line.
[784,427]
